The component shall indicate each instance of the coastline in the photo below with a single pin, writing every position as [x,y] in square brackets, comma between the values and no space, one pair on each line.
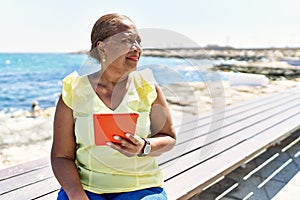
[25,139]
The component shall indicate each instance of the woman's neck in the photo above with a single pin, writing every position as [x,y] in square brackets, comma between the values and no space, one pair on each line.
[111,78]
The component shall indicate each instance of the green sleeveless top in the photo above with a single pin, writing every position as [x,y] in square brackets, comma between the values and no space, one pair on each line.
[101,168]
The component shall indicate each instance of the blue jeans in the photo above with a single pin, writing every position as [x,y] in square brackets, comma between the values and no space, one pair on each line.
[156,193]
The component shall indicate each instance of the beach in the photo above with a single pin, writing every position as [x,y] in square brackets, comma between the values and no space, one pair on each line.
[25,138]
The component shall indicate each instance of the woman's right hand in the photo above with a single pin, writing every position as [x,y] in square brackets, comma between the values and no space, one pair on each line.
[132,146]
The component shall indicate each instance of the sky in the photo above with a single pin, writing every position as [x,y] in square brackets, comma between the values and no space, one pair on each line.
[65,25]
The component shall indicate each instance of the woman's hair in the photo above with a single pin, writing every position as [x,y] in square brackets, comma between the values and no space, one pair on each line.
[106,26]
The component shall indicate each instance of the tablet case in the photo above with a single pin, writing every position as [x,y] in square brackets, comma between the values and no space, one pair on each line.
[108,125]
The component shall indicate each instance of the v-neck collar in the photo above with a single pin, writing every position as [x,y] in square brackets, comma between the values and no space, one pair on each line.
[99,100]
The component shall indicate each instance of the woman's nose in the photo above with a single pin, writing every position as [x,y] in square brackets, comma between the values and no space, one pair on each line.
[136,46]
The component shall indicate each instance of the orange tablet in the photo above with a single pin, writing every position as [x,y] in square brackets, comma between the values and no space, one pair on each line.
[108,125]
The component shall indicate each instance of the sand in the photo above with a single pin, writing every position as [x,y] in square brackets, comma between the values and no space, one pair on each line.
[24,139]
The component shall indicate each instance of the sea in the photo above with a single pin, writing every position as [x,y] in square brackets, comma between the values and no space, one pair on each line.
[29,77]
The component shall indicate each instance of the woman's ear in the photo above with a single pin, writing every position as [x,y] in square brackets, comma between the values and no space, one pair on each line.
[100,47]
[100,44]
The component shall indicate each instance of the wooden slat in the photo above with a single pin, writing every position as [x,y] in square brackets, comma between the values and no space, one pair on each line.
[246,105]
[25,179]
[211,169]
[23,168]
[50,196]
[204,137]
[195,131]
[196,157]
[53,195]
[199,176]
[186,133]
[232,109]
[33,191]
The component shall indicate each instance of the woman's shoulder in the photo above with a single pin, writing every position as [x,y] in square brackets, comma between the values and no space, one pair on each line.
[74,79]
[71,77]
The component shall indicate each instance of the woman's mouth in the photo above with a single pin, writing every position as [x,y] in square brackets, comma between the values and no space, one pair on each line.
[133,58]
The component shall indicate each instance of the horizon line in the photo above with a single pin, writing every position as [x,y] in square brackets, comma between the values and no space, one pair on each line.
[209,47]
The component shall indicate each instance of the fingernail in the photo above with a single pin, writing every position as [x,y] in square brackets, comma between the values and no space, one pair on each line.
[108,143]
[116,137]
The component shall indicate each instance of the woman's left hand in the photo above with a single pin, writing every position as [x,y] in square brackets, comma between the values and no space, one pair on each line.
[131,146]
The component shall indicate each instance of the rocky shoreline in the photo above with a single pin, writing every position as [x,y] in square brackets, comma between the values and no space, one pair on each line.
[225,53]
[273,62]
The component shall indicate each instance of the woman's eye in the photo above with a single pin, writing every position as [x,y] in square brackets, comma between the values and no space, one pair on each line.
[130,41]
[139,41]
[126,40]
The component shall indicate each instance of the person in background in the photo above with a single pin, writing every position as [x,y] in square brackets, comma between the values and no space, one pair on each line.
[123,170]
[35,110]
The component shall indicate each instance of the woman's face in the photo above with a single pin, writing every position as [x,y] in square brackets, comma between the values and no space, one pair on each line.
[123,50]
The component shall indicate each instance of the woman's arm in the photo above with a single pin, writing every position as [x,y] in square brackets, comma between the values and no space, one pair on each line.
[63,152]
[163,133]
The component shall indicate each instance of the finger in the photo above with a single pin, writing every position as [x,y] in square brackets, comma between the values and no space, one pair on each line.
[118,138]
[114,146]
[125,146]
[120,149]
[133,138]
[123,143]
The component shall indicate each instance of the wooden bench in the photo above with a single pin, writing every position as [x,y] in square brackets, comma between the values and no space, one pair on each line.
[209,146]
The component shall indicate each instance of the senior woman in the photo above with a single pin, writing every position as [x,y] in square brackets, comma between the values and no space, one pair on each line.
[118,170]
